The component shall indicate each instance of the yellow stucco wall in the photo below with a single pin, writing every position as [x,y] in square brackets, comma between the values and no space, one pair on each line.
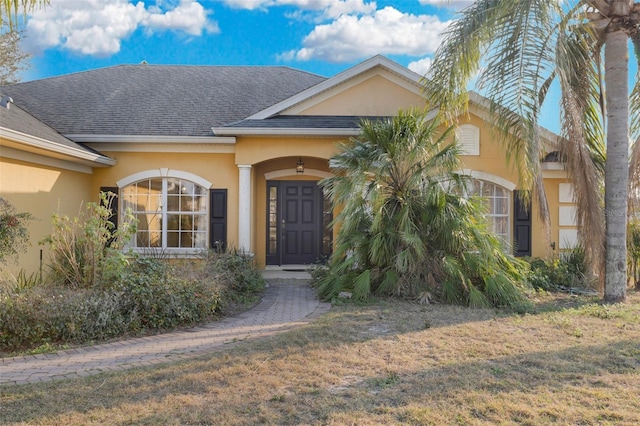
[374,96]
[492,160]
[219,169]
[254,150]
[492,154]
[41,191]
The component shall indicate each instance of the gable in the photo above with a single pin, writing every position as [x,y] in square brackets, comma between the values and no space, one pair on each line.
[375,93]
[375,87]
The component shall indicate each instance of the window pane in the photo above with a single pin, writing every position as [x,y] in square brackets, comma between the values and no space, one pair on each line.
[186,187]
[501,206]
[173,222]
[173,239]
[200,223]
[487,189]
[173,186]
[200,240]
[173,203]
[200,203]
[273,221]
[496,201]
[182,230]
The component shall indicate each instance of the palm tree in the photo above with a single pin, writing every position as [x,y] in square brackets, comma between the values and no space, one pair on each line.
[405,224]
[515,50]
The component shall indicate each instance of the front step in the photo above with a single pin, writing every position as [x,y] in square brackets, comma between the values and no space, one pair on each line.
[291,272]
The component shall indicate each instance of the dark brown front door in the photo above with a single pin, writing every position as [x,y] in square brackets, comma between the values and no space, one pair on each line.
[294,222]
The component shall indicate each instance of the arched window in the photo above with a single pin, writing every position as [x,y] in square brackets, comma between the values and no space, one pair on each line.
[171,212]
[498,201]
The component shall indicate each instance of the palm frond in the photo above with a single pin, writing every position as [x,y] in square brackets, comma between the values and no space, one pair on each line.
[584,136]
[362,285]
[634,127]
[507,45]
[10,10]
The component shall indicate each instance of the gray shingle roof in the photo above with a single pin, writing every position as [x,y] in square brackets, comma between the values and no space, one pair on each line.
[16,119]
[166,100]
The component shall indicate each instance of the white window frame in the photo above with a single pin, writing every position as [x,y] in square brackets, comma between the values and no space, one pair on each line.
[504,184]
[490,215]
[165,174]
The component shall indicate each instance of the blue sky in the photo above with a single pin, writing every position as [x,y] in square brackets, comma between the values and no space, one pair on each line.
[320,36]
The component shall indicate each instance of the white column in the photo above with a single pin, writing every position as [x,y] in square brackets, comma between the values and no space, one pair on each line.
[244,209]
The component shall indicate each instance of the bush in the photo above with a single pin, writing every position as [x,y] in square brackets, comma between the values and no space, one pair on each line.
[565,271]
[14,235]
[239,278]
[150,295]
[86,250]
[406,224]
[633,252]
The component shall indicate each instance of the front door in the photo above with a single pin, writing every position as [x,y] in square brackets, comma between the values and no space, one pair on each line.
[295,223]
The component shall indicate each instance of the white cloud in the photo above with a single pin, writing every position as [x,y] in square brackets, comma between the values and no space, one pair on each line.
[189,16]
[420,66]
[327,9]
[97,27]
[386,31]
[250,4]
[449,4]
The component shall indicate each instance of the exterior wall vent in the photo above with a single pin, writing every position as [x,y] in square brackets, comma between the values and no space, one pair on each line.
[468,139]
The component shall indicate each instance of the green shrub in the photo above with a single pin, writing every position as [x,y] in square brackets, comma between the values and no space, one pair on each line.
[237,274]
[633,252]
[14,236]
[318,272]
[406,226]
[159,298]
[149,295]
[567,270]
[86,250]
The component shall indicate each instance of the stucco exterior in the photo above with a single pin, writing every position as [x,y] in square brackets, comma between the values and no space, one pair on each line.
[42,191]
[250,156]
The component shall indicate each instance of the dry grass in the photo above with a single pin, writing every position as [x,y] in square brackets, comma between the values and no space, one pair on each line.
[393,362]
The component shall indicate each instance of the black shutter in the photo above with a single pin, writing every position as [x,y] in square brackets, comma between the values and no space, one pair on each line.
[114,204]
[521,225]
[218,219]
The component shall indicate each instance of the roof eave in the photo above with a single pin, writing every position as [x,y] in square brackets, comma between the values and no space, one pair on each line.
[47,146]
[156,139]
[269,131]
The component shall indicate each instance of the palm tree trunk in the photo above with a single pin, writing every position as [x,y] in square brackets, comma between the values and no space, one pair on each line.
[617,165]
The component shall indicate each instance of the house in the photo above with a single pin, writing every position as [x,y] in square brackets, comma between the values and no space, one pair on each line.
[217,156]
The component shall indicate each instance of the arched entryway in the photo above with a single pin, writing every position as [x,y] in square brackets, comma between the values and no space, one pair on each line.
[298,218]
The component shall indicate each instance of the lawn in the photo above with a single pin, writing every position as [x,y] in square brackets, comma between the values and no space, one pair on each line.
[390,362]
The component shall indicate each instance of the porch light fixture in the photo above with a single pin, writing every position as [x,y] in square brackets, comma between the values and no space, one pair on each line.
[300,166]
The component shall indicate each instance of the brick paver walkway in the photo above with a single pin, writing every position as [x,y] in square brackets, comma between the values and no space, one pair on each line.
[286,304]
